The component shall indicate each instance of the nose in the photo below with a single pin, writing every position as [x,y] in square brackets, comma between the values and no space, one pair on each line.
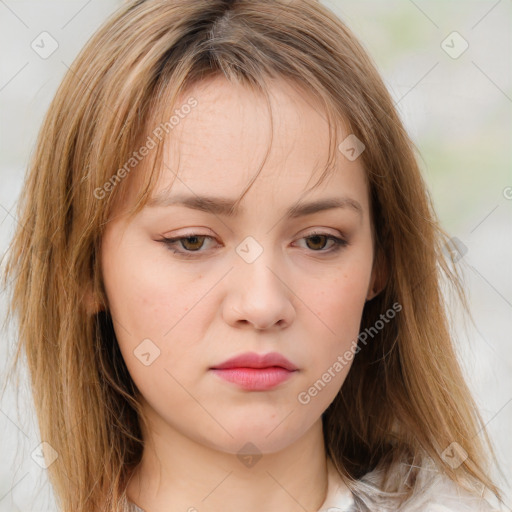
[259,295]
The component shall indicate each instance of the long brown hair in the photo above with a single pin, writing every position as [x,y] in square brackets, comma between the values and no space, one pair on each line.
[404,400]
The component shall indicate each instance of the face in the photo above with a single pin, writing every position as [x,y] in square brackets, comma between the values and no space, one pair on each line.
[190,289]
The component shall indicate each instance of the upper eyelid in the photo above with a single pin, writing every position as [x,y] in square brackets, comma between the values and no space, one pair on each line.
[317,231]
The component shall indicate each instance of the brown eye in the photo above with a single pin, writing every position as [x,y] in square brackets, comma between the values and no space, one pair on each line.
[318,241]
[192,243]
[188,245]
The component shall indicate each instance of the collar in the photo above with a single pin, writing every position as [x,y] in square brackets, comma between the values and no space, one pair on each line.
[339,497]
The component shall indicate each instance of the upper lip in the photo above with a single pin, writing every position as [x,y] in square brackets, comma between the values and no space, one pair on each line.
[254,360]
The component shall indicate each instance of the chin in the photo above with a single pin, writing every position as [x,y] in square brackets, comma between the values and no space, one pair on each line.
[266,437]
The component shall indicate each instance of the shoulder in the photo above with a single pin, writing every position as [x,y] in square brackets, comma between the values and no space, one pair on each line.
[441,494]
[433,491]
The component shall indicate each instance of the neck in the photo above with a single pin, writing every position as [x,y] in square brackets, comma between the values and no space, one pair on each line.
[178,473]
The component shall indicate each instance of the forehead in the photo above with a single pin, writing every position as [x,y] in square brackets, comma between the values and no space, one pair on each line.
[221,144]
[232,127]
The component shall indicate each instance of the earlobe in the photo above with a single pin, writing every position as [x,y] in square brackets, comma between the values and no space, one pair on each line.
[371,294]
[379,277]
[91,303]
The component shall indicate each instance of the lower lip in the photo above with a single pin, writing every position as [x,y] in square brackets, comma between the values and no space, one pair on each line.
[254,379]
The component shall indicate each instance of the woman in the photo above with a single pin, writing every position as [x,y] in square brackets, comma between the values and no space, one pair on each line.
[190,345]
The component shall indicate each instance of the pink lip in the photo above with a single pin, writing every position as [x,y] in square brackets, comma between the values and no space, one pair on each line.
[256,372]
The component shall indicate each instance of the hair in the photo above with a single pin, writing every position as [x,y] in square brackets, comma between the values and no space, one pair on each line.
[405,398]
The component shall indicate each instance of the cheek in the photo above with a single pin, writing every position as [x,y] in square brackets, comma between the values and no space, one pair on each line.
[339,302]
[344,295]
[155,311]
[143,296]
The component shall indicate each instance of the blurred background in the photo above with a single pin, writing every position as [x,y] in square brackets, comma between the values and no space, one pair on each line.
[448,66]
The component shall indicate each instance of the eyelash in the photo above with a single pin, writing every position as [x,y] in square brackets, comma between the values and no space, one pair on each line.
[339,243]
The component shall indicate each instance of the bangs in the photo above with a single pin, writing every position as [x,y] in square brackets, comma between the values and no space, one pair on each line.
[171,104]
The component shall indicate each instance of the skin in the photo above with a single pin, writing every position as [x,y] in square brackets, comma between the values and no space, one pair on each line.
[297,298]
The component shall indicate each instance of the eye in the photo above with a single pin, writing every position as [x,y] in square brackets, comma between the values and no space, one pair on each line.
[194,242]
[317,239]
[191,243]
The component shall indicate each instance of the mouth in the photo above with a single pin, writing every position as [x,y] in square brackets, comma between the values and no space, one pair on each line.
[255,379]
[254,372]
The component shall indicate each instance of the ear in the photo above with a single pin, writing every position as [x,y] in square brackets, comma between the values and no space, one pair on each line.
[91,302]
[379,277]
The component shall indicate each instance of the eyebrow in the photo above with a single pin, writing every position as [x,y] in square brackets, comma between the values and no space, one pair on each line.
[224,206]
